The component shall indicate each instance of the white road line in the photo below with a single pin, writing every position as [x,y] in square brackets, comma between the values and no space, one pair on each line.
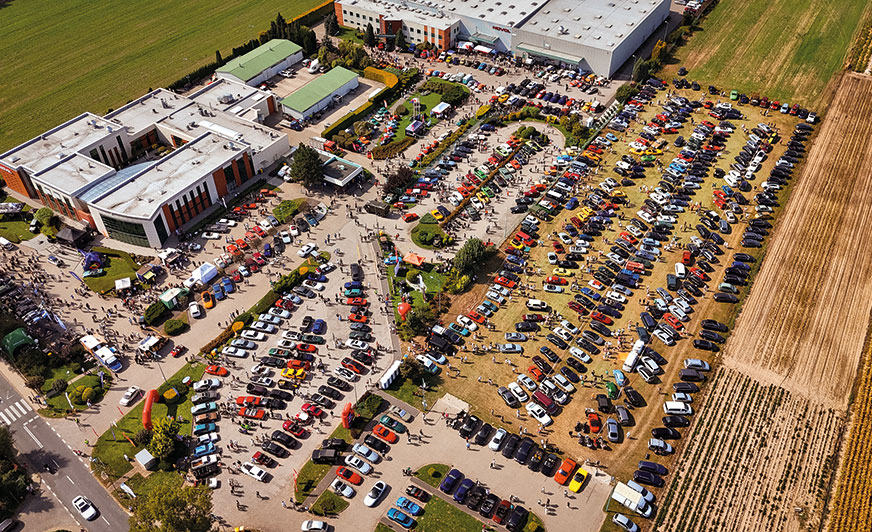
[25,408]
[71,480]
[27,430]
[4,419]
[104,519]
[12,413]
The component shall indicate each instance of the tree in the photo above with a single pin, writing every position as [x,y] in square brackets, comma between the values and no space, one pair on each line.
[218,57]
[411,370]
[369,36]
[331,25]
[362,128]
[167,508]
[163,438]
[398,179]
[658,53]
[642,70]
[400,41]
[306,167]
[324,55]
[469,256]
[626,92]
[454,95]
[43,215]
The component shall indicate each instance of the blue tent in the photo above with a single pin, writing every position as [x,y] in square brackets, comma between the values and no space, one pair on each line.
[93,261]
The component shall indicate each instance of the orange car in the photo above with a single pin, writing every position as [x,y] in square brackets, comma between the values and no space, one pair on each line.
[241,244]
[252,413]
[673,321]
[385,433]
[600,317]
[217,370]
[410,217]
[348,475]
[565,471]
[594,421]
[299,364]
[356,301]
[359,318]
[208,300]
[556,280]
[535,373]
[476,317]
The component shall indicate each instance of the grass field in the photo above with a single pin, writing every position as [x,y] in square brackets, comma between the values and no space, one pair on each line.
[785,49]
[63,57]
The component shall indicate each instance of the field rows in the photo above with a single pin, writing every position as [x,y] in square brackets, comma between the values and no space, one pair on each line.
[758,458]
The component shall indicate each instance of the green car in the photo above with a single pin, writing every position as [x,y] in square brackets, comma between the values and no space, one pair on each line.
[353,292]
[489,192]
[360,335]
[392,424]
[313,339]
[612,389]
[648,158]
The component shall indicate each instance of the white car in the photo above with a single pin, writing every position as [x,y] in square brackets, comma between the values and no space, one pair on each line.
[85,508]
[228,222]
[314,285]
[315,526]
[263,327]
[663,337]
[683,397]
[497,441]
[356,344]
[194,310]
[579,354]
[518,392]
[552,257]
[292,336]
[375,494]
[286,238]
[279,313]
[130,396]
[341,488]
[552,288]
[357,463]
[206,384]
[293,230]
[234,352]
[611,294]
[211,236]
[562,333]
[253,471]
[206,438]
[538,413]
[287,344]
[563,382]
[366,452]
[345,374]
[256,336]
[527,382]
[468,323]
[259,369]
[268,317]
[265,224]
[566,324]
[308,249]
[651,365]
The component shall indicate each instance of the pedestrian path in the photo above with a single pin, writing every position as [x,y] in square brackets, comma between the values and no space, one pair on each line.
[13,412]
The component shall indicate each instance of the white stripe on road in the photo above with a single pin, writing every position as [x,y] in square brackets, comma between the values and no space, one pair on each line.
[71,480]
[18,405]
[12,413]
[34,437]
[104,519]
[4,419]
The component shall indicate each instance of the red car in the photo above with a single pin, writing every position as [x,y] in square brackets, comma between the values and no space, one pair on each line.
[536,373]
[250,206]
[574,305]
[359,318]
[258,258]
[410,217]
[252,413]
[217,370]
[259,231]
[348,475]
[699,274]
[686,258]
[249,400]
[505,282]
[353,365]
[294,427]
[237,278]
[594,421]
[285,304]
[476,317]
[558,247]
[307,348]
[600,317]
[629,238]
[312,410]
[241,244]
[534,317]
[384,433]
[556,280]
[356,301]
[673,321]
[178,351]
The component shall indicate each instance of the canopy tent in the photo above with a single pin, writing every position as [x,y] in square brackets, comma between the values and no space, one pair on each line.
[123,283]
[415,128]
[71,236]
[414,259]
[205,272]
[16,339]
[440,109]
[146,460]
[465,46]
[171,297]
[483,49]
[149,271]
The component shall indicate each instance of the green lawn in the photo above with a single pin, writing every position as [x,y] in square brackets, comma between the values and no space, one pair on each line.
[427,103]
[329,504]
[110,450]
[308,478]
[120,266]
[350,34]
[59,402]
[432,474]
[14,230]
[410,392]
[382,528]
[785,49]
[64,57]
[142,485]
[439,516]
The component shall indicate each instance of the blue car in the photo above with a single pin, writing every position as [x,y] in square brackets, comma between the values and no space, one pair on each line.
[450,481]
[218,292]
[319,327]
[404,520]
[267,250]
[459,329]
[227,285]
[353,284]
[611,137]
[204,428]
[409,506]
[203,450]
[572,203]
[590,293]
[318,278]
[463,490]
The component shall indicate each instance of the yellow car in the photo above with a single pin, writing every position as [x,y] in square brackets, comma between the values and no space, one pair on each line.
[578,480]
[619,194]
[636,151]
[517,245]
[288,373]
[300,374]
[436,214]
[653,151]
[294,373]
[592,156]
[483,197]
[562,272]
[503,97]
[572,151]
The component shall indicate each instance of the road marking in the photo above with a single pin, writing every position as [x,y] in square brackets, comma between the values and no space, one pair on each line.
[71,480]
[13,415]
[34,437]
[4,419]
[18,406]
[104,519]
[25,408]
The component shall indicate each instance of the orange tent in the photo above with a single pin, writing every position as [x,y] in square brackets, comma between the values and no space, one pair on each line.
[414,259]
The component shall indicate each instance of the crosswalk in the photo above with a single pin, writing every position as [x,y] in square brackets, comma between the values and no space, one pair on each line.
[13,412]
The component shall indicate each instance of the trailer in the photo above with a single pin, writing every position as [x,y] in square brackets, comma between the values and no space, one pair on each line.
[631,499]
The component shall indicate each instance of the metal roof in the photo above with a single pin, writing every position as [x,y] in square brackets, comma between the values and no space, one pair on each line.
[319,88]
[261,58]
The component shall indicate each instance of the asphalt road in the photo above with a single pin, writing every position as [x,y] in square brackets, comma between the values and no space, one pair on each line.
[71,476]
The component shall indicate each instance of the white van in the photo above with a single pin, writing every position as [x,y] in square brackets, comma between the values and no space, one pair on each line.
[677,408]
[536,304]
[7,245]
[313,66]
[680,270]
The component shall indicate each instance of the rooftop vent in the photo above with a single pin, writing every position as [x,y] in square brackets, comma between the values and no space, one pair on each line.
[597,37]
[578,36]
[577,19]
[586,27]
[504,12]
[608,25]
[555,21]
[619,35]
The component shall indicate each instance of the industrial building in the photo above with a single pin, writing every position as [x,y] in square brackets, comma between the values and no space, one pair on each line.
[595,35]
[262,63]
[153,167]
[320,93]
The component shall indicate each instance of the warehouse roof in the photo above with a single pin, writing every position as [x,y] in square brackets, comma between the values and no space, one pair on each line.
[600,24]
[229,96]
[73,173]
[318,89]
[419,13]
[140,114]
[261,58]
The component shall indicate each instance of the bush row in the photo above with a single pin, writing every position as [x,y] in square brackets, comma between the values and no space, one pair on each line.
[432,156]
[391,150]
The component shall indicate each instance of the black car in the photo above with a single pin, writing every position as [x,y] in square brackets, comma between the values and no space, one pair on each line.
[376,444]
[273,362]
[633,397]
[706,345]
[507,397]
[321,401]
[284,438]
[274,449]
[488,505]
[646,477]
[470,424]
[332,393]
[653,467]
[338,383]
[712,336]
[665,433]
[542,365]
[517,519]
[569,374]
[361,327]
[549,354]
[675,421]
[713,325]
[524,450]
[256,389]
[484,434]
[744,257]
[548,464]
[601,328]
[526,326]
[511,444]
[475,497]
[723,297]
[592,336]
[575,364]
[364,357]
[686,387]
[536,458]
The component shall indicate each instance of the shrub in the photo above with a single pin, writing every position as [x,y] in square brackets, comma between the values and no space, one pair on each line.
[143,437]
[626,92]
[175,327]
[59,385]
[154,313]
[392,149]
[401,110]
[88,394]
[218,341]
[412,275]
[35,382]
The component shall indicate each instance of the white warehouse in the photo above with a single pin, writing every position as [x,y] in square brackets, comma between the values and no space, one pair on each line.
[262,63]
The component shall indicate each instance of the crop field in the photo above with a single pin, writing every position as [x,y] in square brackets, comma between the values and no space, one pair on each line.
[758,458]
[64,57]
[804,324]
[785,49]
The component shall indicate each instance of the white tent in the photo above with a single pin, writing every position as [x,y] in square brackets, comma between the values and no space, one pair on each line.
[205,273]
[123,283]
[464,46]
[482,49]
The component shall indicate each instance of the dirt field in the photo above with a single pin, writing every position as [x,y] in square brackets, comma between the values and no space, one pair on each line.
[782,48]
[804,324]
[758,458]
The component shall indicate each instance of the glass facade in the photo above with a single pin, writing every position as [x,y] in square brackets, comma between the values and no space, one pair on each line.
[161,229]
[130,232]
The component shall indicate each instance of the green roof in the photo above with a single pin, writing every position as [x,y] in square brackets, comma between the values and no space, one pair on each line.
[261,58]
[318,89]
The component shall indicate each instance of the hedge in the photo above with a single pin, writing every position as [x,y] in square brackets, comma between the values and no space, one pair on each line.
[445,144]
[175,327]
[154,313]
[391,150]
[385,96]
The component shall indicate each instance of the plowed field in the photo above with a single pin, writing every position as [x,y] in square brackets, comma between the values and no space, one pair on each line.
[804,324]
